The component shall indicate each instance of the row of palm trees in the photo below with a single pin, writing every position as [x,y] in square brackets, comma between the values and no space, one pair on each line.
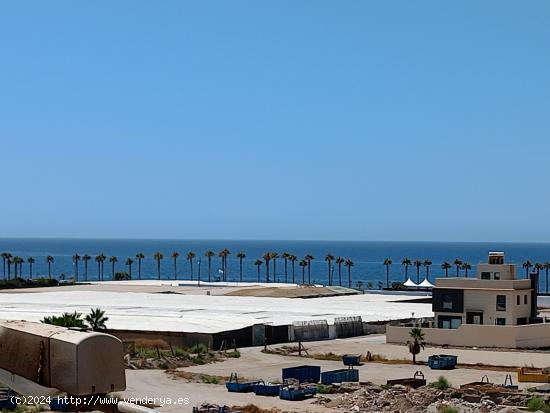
[268,260]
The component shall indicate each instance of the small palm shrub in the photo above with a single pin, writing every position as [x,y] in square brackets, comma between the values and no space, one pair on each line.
[441,384]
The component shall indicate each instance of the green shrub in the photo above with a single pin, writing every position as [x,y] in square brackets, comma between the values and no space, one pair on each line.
[441,384]
[324,389]
[122,276]
[205,378]
[181,352]
[449,409]
[198,360]
[456,395]
[198,349]
[233,354]
[537,403]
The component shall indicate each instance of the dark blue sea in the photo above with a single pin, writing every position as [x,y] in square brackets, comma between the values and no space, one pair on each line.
[367,257]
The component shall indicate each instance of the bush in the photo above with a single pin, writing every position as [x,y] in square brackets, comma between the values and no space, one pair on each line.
[205,378]
[441,384]
[122,276]
[233,354]
[449,409]
[537,403]
[198,349]
[324,389]
[198,360]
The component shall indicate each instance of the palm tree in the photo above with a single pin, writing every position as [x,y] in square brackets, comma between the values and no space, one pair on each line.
[538,266]
[446,266]
[129,263]
[267,258]
[139,256]
[4,256]
[158,258]
[546,266]
[76,259]
[349,264]
[17,261]
[174,257]
[406,263]
[258,264]
[209,254]
[274,257]
[466,266]
[96,319]
[303,264]
[285,257]
[427,263]
[113,260]
[292,258]
[190,256]
[329,258]
[86,258]
[49,260]
[339,260]
[241,256]
[387,263]
[417,263]
[9,257]
[458,264]
[416,342]
[223,254]
[98,260]
[309,258]
[31,261]
[527,265]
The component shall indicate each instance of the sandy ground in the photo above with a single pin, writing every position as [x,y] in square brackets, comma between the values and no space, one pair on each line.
[376,344]
[254,364]
[291,292]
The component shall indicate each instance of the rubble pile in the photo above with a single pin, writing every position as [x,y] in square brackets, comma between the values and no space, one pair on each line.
[369,397]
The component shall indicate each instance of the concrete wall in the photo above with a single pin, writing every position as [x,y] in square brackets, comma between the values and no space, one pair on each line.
[470,335]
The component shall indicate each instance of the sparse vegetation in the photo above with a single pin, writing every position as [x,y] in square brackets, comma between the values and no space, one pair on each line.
[441,384]
[449,409]
[27,283]
[324,389]
[537,404]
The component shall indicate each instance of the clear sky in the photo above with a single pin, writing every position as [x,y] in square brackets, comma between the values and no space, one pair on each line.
[367,120]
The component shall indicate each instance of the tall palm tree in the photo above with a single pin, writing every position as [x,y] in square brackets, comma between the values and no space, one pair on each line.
[309,258]
[190,256]
[546,268]
[76,259]
[274,257]
[417,263]
[174,257]
[416,342]
[527,265]
[86,258]
[158,257]
[258,264]
[406,263]
[303,264]
[224,254]
[209,254]
[31,261]
[458,264]
[427,263]
[241,256]
[9,257]
[446,266]
[466,266]
[129,263]
[96,319]
[4,256]
[113,260]
[17,262]
[329,258]
[339,261]
[139,256]
[100,259]
[349,263]
[49,260]
[285,257]
[292,258]
[267,258]
[387,263]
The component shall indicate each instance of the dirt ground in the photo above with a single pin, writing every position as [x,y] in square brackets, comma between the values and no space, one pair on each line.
[254,364]
[290,292]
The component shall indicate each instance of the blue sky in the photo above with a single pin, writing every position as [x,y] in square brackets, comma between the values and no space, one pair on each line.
[367,120]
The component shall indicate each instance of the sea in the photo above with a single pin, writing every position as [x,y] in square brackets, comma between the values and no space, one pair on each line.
[367,256]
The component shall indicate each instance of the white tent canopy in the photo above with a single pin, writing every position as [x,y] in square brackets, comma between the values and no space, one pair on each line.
[426,284]
[410,283]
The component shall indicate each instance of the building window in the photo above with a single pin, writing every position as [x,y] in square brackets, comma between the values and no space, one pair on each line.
[500,321]
[525,299]
[501,303]
[518,299]
[521,321]
[485,275]
[496,275]
[447,305]
[449,322]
